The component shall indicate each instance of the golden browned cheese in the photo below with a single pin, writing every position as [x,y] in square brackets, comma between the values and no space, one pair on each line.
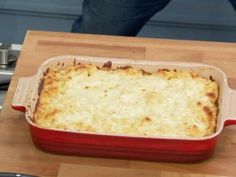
[128,101]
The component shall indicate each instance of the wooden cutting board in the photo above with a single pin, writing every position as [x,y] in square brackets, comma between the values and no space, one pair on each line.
[18,153]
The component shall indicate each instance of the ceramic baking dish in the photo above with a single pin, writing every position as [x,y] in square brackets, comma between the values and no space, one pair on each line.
[123,146]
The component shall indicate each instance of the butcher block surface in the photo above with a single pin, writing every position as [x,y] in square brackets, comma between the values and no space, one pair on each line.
[19,154]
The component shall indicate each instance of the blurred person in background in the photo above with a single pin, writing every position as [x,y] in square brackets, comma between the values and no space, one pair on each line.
[118,17]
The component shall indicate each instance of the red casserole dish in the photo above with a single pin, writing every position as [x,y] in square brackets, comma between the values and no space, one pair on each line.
[123,146]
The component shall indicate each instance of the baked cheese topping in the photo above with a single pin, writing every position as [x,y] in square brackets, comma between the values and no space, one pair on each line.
[128,101]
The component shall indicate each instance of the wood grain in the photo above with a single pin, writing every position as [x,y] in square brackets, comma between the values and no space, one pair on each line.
[18,153]
[98,171]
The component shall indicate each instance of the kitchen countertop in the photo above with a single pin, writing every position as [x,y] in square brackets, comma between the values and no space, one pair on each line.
[18,153]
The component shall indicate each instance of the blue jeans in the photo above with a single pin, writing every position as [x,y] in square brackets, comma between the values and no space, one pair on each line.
[118,17]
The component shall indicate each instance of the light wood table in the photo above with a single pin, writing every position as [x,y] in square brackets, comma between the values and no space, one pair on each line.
[18,153]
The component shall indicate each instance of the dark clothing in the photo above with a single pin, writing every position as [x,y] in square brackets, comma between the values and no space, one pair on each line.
[118,17]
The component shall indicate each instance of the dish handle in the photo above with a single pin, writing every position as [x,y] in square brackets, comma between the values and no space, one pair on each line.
[231,109]
[21,96]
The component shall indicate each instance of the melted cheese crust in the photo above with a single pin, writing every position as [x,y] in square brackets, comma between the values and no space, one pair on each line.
[128,101]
